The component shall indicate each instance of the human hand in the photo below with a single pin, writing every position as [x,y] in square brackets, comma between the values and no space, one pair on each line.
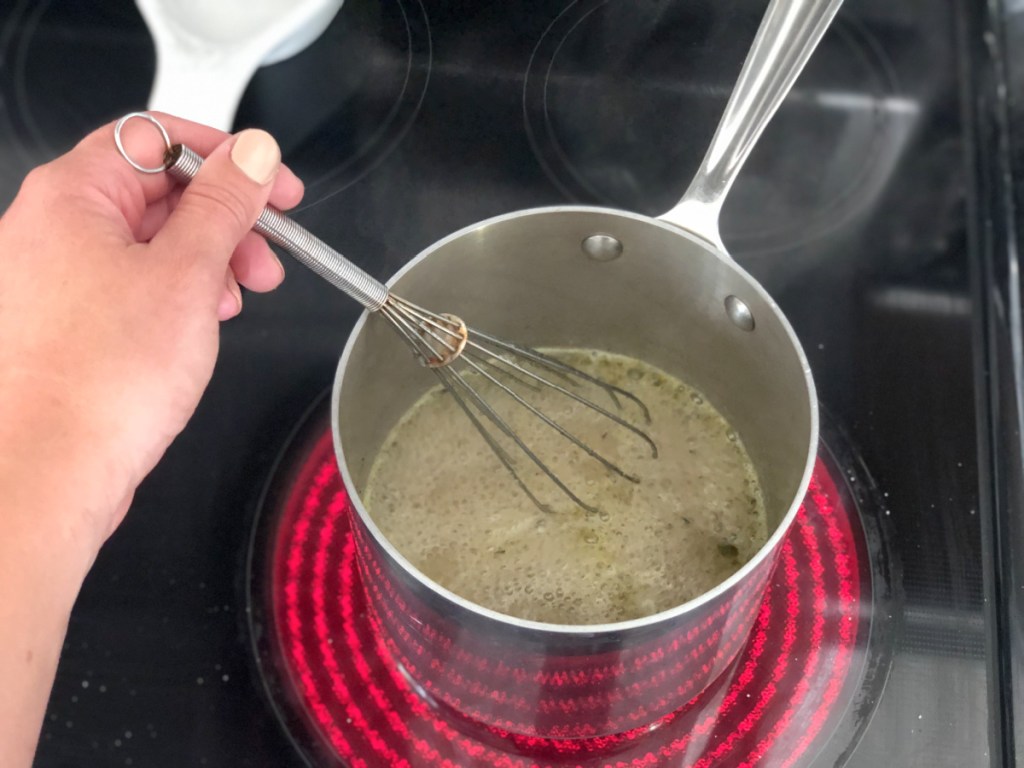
[112,285]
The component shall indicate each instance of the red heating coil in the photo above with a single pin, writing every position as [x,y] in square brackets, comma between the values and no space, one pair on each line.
[769,709]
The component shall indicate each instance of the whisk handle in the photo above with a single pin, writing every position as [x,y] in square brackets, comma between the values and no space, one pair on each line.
[183,163]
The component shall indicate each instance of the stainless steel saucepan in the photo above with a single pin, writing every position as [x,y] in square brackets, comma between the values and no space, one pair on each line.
[664,290]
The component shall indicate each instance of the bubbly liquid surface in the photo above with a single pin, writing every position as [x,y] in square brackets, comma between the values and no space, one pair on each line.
[442,497]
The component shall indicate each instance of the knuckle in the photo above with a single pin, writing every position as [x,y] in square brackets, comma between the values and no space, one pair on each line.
[46,188]
[222,202]
[38,180]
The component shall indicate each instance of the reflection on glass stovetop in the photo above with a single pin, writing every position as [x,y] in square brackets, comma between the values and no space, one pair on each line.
[411,119]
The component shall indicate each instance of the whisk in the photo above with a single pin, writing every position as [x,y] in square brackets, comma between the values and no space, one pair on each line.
[442,342]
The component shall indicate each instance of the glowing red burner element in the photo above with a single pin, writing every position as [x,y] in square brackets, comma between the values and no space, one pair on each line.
[774,707]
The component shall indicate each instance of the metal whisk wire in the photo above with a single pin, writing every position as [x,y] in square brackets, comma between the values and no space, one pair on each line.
[439,341]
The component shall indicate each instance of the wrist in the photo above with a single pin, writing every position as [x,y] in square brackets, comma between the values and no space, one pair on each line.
[46,550]
[52,478]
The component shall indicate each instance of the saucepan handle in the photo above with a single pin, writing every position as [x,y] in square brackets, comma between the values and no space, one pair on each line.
[789,32]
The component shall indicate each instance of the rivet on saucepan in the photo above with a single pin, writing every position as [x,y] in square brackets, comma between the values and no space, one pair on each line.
[602,247]
[739,313]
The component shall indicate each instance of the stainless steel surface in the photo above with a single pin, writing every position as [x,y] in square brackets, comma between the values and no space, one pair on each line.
[602,247]
[784,42]
[507,272]
[739,313]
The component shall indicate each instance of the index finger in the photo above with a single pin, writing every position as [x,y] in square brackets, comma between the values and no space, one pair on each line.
[99,162]
[143,142]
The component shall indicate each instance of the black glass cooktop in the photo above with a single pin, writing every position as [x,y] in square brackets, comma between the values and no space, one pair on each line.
[874,209]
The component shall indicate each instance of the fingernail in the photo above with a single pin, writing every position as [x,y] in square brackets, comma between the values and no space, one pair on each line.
[257,155]
[280,266]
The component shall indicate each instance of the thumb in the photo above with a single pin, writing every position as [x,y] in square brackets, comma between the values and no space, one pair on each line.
[220,205]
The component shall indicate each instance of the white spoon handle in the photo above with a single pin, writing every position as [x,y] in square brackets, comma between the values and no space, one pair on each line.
[201,85]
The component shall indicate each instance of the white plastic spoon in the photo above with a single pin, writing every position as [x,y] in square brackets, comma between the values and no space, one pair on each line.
[207,52]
